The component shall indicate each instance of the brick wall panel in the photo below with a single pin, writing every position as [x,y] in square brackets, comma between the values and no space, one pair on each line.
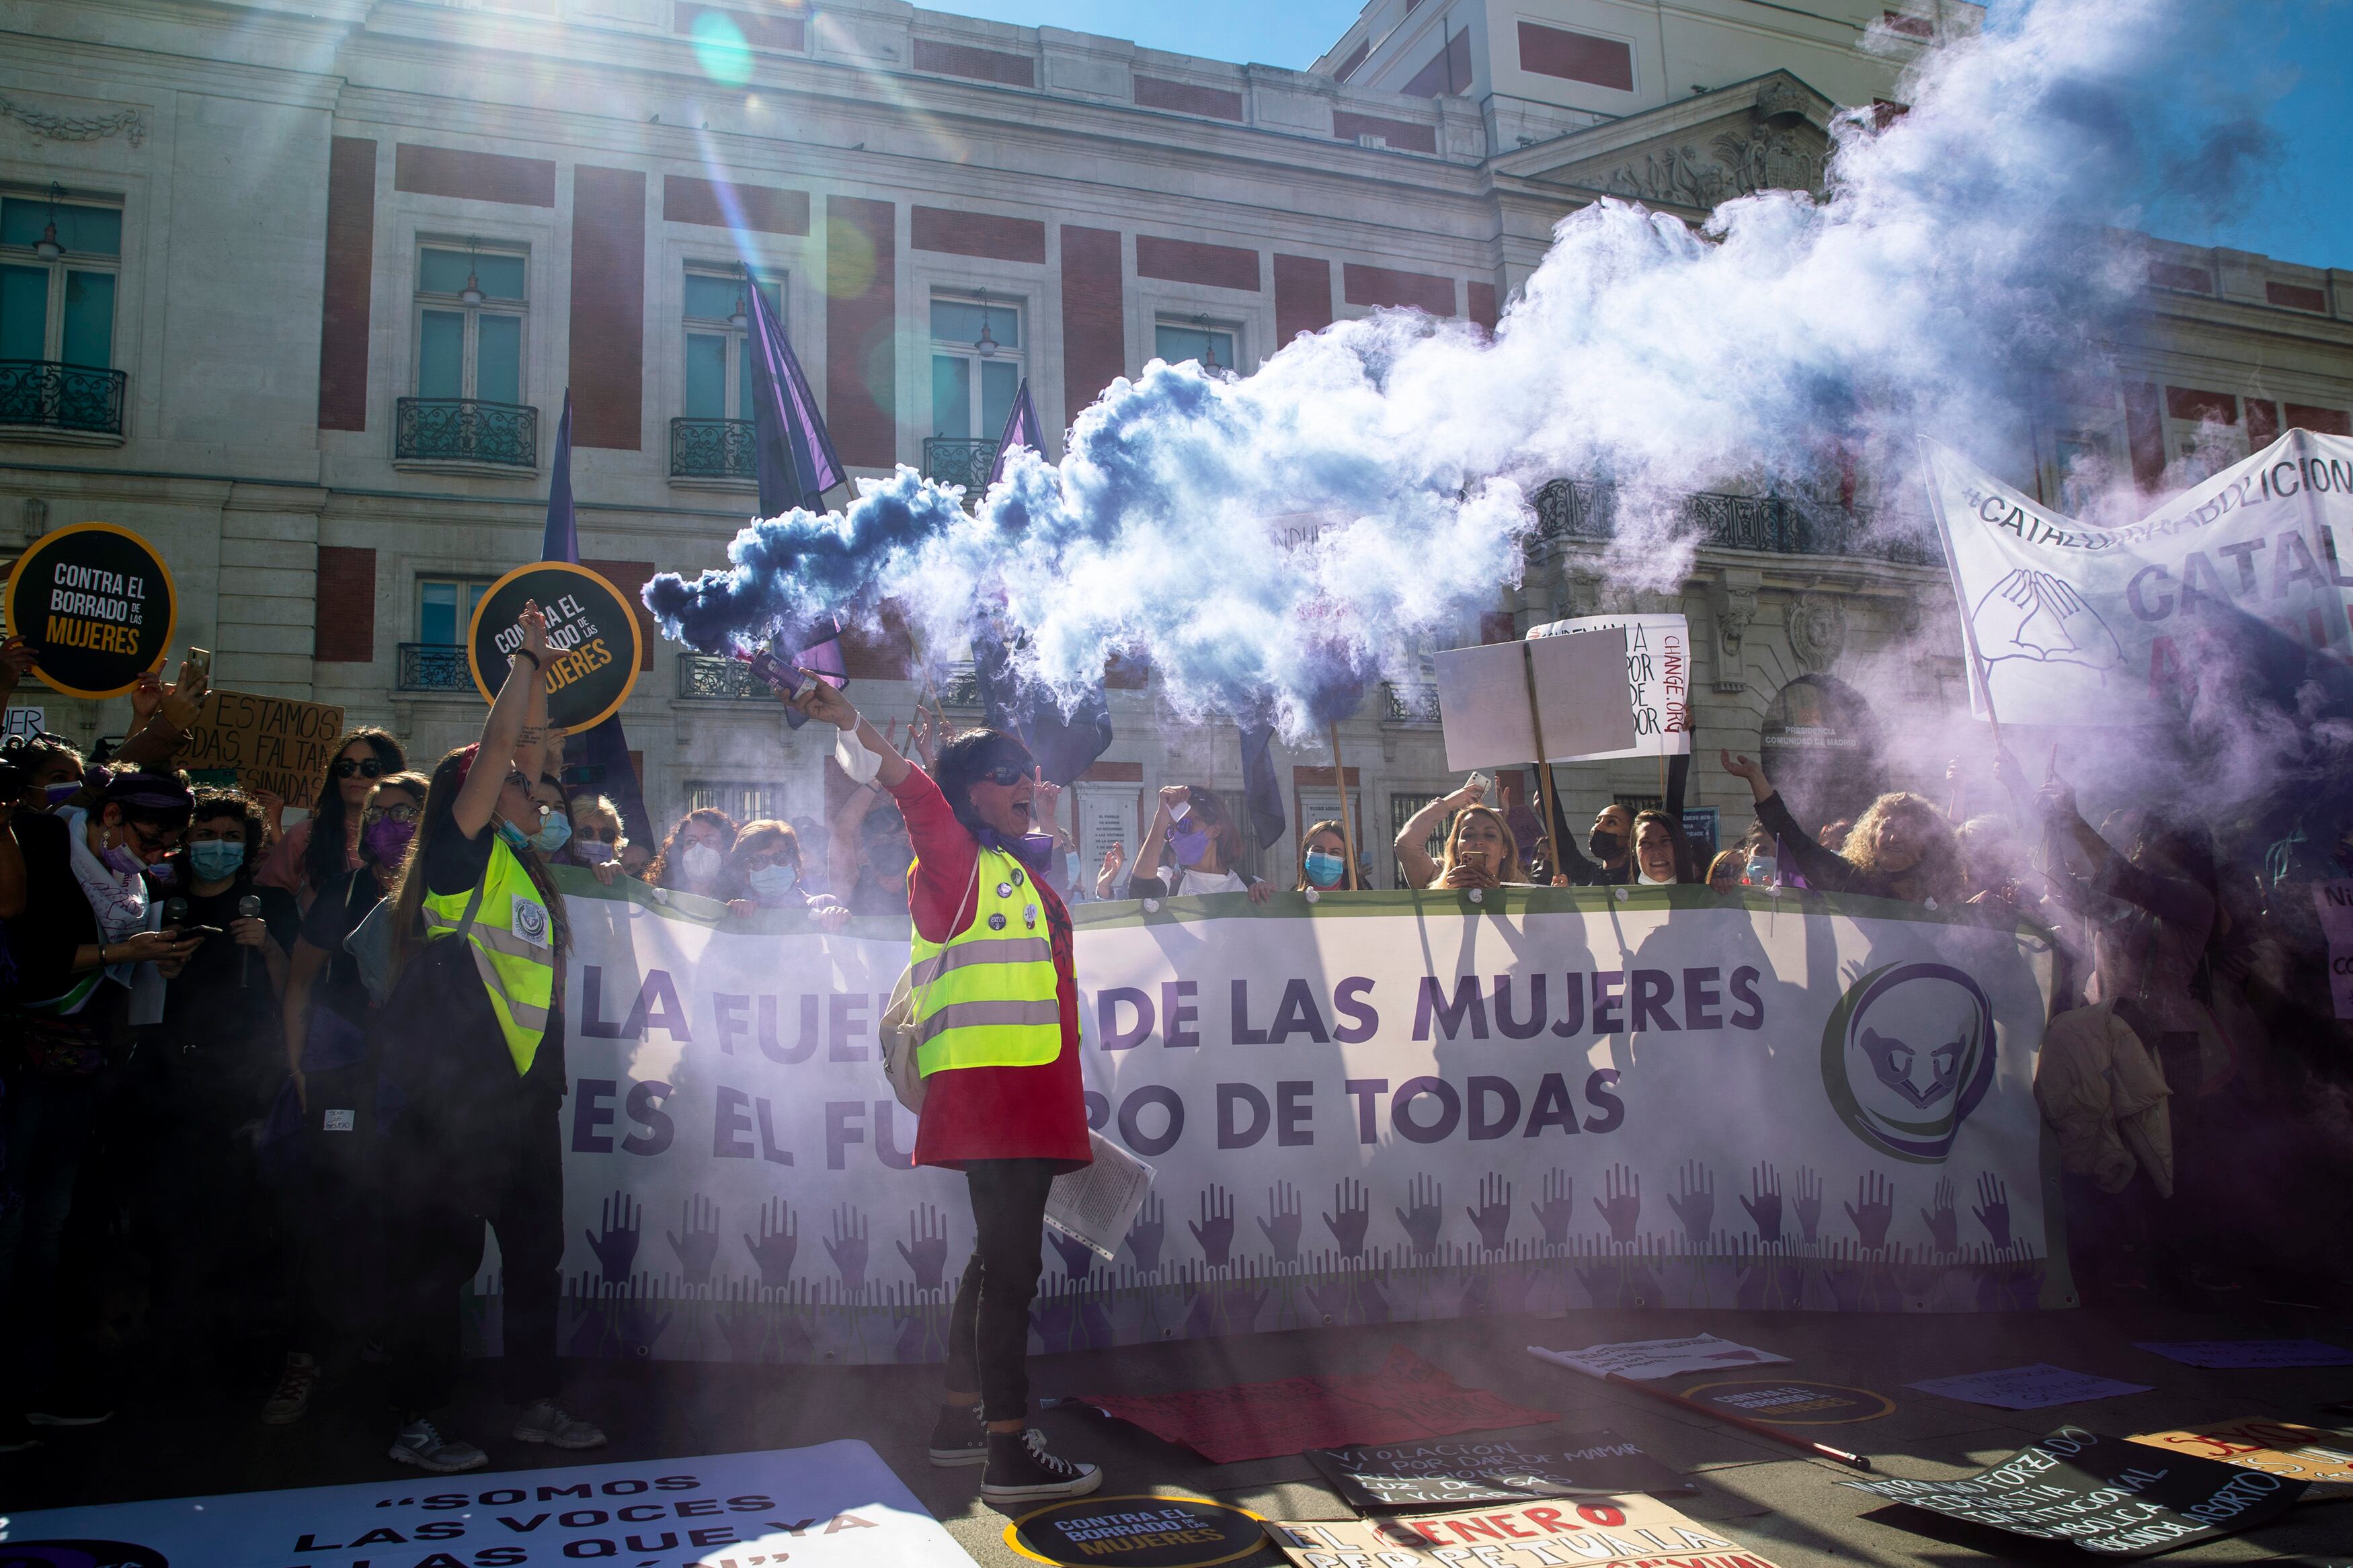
[992,234]
[2144,433]
[762,32]
[344,301]
[766,209]
[979,65]
[1187,261]
[608,307]
[2319,421]
[1375,286]
[1303,296]
[1188,97]
[474,176]
[1348,125]
[862,388]
[1094,316]
[629,577]
[1482,303]
[344,630]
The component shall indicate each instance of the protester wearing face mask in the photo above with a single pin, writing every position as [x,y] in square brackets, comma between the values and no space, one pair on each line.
[766,863]
[596,834]
[1724,871]
[82,931]
[996,994]
[1324,860]
[326,1017]
[1901,848]
[325,847]
[694,859]
[472,1038]
[1199,847]
[868,852]
[53,767]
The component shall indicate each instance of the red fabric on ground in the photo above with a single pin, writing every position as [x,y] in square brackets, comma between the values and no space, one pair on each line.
[1407,1398]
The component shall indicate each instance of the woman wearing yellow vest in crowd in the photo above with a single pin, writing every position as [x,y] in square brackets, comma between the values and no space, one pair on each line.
[472,1044]
[996,1001]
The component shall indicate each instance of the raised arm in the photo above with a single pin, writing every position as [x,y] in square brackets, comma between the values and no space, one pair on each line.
[827,703]
[1414,860]
[502,728]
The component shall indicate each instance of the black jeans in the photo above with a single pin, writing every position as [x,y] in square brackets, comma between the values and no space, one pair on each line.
[435,1246]
[46,1123]
[988,1332]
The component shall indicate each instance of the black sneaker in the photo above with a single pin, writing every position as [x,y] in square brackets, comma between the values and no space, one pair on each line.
[1020,1471]
[959,1437]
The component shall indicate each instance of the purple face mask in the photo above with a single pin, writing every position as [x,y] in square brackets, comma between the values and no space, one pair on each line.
[1191,843]
[58,793]
[386,840]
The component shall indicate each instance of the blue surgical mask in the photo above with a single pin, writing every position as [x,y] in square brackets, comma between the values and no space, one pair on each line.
[515,836]
[771,885]
[217,860]
[1325,870]
[552,835]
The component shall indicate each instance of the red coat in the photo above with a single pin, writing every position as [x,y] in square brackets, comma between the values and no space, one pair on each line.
[989,1114]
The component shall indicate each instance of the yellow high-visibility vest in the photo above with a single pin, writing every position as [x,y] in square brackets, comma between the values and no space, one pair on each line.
[987,996]
[513,937]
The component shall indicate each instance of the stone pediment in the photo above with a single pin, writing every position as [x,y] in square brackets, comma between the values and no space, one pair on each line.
[1768,133]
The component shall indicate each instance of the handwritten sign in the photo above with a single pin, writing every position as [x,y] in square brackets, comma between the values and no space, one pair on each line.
[1658,678]
[2335,901]
[96,603]
[1468,1472]
[2280,1448]
[269,742]
[25,722]
[1606,1532]
[2028,1387]
[2248,1352]
[1647,1358]
[592,634]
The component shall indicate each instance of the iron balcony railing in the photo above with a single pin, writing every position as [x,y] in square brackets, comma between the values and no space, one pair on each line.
[712,449]
[435,667]
[1412,702]
[49,396]
[1583,509]
[950,460]
[465,430]
[710,677]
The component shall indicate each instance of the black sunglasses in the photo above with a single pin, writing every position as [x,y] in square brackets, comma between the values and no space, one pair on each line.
[1003,775]
[371,768]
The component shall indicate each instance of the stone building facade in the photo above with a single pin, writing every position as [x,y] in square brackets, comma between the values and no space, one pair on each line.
[324,273]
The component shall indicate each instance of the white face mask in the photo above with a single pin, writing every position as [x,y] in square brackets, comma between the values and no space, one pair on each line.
[700,863]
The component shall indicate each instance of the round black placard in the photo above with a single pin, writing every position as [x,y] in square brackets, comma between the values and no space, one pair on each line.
[1793,1402]
[1137,1532]
[591,629]
[96,603]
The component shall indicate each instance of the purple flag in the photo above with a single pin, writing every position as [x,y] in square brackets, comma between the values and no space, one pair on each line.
[1021,430]
[796,460]
[563,539]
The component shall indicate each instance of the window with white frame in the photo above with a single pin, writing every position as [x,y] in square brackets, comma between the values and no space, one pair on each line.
[470,314]
[976,365]
[59,260]
[1214,345]
[718,334]
[445,608]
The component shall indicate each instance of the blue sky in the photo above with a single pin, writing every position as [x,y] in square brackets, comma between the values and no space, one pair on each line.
[2305,64]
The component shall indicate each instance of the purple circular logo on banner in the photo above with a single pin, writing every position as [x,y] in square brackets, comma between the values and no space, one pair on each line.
[1907,1053]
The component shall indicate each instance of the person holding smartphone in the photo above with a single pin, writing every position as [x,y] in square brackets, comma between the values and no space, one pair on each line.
[996,994]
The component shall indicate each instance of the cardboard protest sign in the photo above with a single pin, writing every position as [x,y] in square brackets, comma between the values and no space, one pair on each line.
[2336,902]
[269,742]
[2280,1448]
[591,629]
[1615,1532]
[836,1505]
[2028,1387]
[1435,1473]
[96,603]
[2248,1352]
[24,723]
[2107,1495]
[1484,706]
[1138,1532]
[1658,678]
[1647,1358]
[1785,1403]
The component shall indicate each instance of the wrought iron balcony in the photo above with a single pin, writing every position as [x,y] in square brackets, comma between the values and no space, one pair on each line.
[709,678]
[46,395]
[435,667]
[1414,703]
[950,460]
[712,449]
[465,430]
[1581,509]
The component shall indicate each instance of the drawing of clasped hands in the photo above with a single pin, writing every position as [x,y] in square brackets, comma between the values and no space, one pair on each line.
[2034,616]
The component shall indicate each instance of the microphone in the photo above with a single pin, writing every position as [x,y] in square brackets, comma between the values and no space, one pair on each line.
[247,908]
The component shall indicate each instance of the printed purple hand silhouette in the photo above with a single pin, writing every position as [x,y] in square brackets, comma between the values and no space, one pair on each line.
[1943,1223]
[1765,1208]
[1215,1233]
[1558,1210]
[926,1247]
[1427,1216]
[1809,1202]
[846,1247]
[1282,1222]
[1145,1235]
[1351,1213]
[1995,1215]
[1078,1258]
[700,1248]
[1695,1201]
[779,1241]
[1493,1217]
[615,1244]
[1876,1195]
[1623,1190]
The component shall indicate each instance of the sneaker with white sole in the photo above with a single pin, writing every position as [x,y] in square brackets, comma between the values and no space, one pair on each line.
[291,1397]
[1020,1471]
[421,1443]
[959,1437]
[548,1421]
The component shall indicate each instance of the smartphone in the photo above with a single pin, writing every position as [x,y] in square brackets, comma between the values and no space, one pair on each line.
[187,931]
[1476,859]
[202,658]
[1480,782]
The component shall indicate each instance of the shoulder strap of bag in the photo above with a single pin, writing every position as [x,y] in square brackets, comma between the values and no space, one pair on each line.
[970,888]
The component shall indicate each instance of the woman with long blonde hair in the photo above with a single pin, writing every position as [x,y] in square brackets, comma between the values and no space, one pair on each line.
[1902,848]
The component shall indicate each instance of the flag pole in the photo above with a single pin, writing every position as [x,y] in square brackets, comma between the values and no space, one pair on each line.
[1347,824]
[1546,794]
[1960,591]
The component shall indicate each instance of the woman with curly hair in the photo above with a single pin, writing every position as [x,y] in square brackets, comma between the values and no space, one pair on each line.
[1901,848]
[694,860]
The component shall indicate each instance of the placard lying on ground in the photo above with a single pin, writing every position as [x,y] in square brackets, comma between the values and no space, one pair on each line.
[270,743]
[2108,1494]
[1463,1472]
[2283,1447]
[1793,1403]
[2032,1387]
[836,1505]
[1646,1358]
[1609,1533]
[1137,1531]
[2248,1352]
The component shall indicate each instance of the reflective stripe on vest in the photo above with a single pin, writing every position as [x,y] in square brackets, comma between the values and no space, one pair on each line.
[519,976]
[989,995]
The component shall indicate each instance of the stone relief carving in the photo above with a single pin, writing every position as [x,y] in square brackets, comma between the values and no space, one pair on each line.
[72,128]
[1817,630]
[1737,164]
